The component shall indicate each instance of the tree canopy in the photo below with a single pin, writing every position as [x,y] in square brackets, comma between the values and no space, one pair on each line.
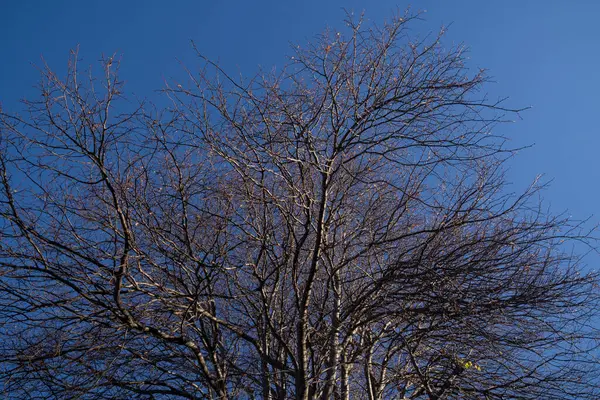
[338,228]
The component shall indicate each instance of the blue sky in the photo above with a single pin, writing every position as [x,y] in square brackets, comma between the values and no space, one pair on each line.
[543,54]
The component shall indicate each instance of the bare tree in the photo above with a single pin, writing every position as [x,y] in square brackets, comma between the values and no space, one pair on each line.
[340,229]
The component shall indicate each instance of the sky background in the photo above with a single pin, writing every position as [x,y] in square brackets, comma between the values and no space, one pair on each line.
[543,54]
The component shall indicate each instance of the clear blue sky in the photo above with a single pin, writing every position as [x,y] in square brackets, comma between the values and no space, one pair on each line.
[544,54]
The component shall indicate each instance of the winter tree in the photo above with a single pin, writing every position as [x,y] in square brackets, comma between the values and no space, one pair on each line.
[339,228]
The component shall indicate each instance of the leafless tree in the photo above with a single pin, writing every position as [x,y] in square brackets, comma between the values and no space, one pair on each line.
[337,229]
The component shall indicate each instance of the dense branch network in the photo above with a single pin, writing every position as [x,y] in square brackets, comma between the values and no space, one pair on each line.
[338,230]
